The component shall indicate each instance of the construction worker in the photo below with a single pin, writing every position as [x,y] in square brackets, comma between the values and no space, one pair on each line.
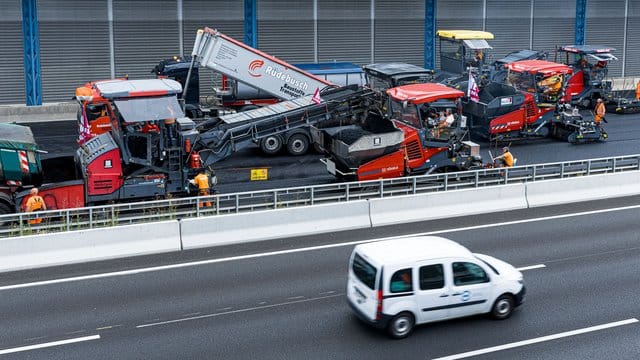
[638,91]
[599,112]
[202,182]
[35,203]
[506,157]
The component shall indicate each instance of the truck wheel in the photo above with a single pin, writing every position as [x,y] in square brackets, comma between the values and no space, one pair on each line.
[4,210]
[503,307]
[401,325]
[298,144]
[271,144]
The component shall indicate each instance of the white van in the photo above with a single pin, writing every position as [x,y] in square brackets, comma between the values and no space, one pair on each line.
[396,284]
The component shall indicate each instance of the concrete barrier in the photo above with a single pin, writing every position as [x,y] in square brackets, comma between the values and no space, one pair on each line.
[594,187]
[28,252]
[272,224]
[412,208]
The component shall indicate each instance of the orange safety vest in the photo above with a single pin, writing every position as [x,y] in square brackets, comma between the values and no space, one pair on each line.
[638,91]
[599,112]
[202,181]
[35,203]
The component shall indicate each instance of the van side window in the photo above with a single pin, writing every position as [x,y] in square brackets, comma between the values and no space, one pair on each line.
[465,273]
[401,281]
[364,271]
[431,277]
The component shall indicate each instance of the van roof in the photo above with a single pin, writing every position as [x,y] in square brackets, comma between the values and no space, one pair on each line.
[411,249]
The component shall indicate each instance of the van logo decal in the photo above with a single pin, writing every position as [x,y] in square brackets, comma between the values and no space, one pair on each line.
[466,295]
[254,66]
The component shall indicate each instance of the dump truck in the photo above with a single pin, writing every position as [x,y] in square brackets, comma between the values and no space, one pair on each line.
[409,139]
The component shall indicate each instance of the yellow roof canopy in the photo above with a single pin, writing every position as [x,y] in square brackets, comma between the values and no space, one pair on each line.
[465,34]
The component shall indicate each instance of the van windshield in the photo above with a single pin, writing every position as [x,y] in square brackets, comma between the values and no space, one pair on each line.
[364,271]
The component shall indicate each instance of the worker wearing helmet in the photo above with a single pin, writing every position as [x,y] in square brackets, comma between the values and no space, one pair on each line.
[35,203]
[599,112]
[638,91]
[506,157]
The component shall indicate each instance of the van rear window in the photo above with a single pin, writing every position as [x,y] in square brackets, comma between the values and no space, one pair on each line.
[364,271]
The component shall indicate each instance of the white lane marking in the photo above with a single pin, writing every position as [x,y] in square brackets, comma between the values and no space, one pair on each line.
[49,344]
[532,267]
[292,251]
[235,311]
[538,340]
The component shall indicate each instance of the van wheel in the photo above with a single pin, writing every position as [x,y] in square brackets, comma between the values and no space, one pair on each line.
[271,145]
[401,325]
[298,144]
[503,307]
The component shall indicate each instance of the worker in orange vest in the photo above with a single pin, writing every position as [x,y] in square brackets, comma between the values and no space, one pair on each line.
[506,157]
[35,203]
[599,112]
[638,91]
[202,182]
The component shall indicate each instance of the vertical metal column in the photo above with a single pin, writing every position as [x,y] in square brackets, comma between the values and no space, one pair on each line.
[251,23]
[581,21]
[180,28]
[624,39]
[373,30]
[429,34]
[315,31]
[31,42]
[112,51]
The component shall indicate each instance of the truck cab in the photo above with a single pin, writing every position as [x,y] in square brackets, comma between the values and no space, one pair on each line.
[545,80]
[459,50]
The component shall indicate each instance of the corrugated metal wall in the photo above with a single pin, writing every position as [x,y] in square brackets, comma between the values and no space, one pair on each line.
[457,15]
[145,32]
[286,29]
[554,25]
[605,26]
[12,89]
[74,34]
[632,58]
[74,46]
[344,31]
[510,23]
[399,31]
[216,14]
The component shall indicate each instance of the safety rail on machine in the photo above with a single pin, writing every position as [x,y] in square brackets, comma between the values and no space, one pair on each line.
[220,204]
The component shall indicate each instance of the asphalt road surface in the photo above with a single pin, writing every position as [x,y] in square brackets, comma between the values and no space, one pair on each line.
[286,299]
[287,171]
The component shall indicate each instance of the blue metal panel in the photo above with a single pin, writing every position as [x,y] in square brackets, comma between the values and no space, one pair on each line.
[581,21]
[30,32]
[251,23]
[430,34]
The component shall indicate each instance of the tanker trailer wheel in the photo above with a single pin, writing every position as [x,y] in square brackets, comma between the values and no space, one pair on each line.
[298,144]
[4,210]
[271,145]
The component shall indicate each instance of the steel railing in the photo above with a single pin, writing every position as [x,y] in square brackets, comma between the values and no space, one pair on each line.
[221,204]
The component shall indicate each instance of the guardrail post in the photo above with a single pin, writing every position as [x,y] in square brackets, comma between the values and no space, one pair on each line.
[615,163]
[348,192]
[312,196]
[381,188]
[237,203]
[198,207]
[446,182]
[562,170]
[589,167]
[68,221]
[21,219]
[90,218]
[415,185]
[217,205]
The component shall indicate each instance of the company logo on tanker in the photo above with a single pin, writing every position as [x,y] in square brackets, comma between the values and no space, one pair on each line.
[254,66]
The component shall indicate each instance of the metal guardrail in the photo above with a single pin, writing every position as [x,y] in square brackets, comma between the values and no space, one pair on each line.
[221,204]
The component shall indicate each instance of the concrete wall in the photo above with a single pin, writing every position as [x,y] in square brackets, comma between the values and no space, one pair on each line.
[99,244]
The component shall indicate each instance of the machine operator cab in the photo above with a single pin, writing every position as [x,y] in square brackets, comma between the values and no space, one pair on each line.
[461,49]
[590,65]
[396,284]
[545,80]
[431,109]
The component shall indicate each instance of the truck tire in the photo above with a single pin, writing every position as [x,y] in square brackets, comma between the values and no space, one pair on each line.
[4,210]
[271,145]
[298,144]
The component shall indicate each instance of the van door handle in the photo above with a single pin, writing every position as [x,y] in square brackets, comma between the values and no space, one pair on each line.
[444,295]
[456,294]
